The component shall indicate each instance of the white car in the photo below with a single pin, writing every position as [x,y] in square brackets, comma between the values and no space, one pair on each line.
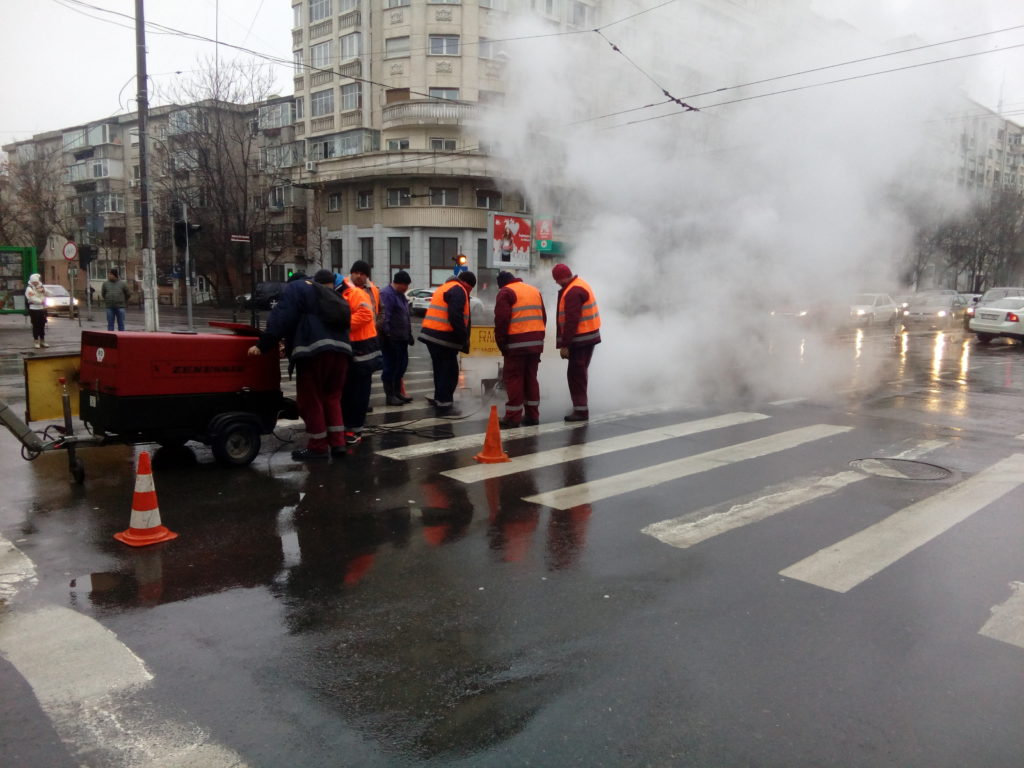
[873,309]
[59,300]
[1004,317]
[419,300]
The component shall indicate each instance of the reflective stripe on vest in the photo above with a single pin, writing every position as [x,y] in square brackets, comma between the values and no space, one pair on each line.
[526,326]
[590,317]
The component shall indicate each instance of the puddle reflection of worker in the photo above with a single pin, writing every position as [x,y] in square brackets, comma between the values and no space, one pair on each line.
[447,511]
[512,520]
[567,528]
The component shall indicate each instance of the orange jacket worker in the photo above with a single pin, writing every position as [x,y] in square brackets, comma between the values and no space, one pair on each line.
[579,331]
[446,332]
[519,322]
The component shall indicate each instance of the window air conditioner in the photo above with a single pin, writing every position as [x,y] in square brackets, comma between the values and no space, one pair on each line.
[311,166]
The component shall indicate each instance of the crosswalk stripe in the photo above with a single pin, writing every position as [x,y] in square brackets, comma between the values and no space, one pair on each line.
[1006,623]
[695,527]
[477,472]
[615,485]
[476,440]
[842,566]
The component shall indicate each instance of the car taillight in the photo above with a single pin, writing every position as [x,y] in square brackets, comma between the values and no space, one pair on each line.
[1011,317]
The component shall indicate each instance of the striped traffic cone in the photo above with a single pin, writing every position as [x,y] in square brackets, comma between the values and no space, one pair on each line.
[144,527]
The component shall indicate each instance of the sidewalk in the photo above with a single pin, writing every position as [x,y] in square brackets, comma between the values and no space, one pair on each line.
[65,335]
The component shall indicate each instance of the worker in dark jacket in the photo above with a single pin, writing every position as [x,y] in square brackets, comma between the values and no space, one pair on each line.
[395,334]
[364,301]
[320,351]
[519,322]
[446,332]
[579,331]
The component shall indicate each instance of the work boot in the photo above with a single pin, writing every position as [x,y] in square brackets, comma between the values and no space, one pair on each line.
[528,422]
[390,396]
[307,455]
[446,410]
[507,423]
[577,416]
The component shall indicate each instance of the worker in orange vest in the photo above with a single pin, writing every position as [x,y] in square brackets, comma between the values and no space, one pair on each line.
[519,322]
[445,331]
[364,302]
[579,331]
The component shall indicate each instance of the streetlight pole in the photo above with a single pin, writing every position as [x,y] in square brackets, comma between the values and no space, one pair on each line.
[188,268]
[149,286]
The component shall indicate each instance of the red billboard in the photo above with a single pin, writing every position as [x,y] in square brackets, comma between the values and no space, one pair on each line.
[511,238]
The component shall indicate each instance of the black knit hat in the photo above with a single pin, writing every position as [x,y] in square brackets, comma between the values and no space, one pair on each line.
[401,277]
[504,278]
[324,276]
[360,266]
[468,278]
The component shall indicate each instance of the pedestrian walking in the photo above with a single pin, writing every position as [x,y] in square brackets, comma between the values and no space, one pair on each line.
[445,331]
[519,322]
[395,336]
[313,322]
[579,331]
[364,301]
[35,299]
[114,293]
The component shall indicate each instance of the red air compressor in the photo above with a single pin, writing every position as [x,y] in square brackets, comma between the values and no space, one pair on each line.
[169,388]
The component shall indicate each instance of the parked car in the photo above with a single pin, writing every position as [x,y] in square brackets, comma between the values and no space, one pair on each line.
[934,309]
[873,309]
[59,300]
[994,294]
[266,297]
[1002,317]
[419,300]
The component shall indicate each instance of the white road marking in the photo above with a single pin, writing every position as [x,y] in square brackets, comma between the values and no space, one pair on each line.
[695,527]
[615,485]
[15,570]
[475,473]
[1006,623]
[789,401]
[476,440]
[842,566]
[1020,437]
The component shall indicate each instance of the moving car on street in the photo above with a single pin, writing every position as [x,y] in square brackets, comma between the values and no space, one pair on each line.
[59,300]
[266,297]
[999,318]
[934,309]
[872,309]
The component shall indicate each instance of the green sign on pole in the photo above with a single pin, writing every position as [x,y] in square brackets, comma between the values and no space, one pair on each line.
[16,264]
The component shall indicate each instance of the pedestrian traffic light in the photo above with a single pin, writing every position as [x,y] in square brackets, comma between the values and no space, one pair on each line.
[291,274]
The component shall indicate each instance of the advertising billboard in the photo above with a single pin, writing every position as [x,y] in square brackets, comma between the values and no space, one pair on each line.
[16,264]
[511,238]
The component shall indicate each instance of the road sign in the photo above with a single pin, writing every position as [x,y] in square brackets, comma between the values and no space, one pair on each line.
[70,250]
[239,238]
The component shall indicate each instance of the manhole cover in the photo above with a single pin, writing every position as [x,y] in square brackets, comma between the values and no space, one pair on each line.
[901,469]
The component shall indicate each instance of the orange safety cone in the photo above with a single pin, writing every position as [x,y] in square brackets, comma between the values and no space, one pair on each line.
[492,452]
[144,527]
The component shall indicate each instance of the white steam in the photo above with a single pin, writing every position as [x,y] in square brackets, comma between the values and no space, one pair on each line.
[693,226]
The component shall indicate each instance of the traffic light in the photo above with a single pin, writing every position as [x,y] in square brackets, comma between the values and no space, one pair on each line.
[184,232]
[86,255]
[291,274]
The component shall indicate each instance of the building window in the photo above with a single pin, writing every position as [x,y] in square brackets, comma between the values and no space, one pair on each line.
[344,6]
[444,2]
[321,103]
[336,252]
[296,16]
[398,252]
[442,253]
[580,14]
[489,49]
[334,201]
[488,199]
[444,45]
[498,5]
[366,250]
[448,94]
[395,3]
[351,96]
[393,95]
[398,197]
[396,46]
[448,196]
[319,10]
[297,61]
[442,145]
[320,55]
[349,46]
[397,144]
[300,107]
[364,199]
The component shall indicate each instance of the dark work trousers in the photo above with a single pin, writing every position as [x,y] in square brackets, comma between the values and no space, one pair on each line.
[579,362]
[396,361]
[445,362]
[319,381]
[38,317]
[355,398]
[519,372]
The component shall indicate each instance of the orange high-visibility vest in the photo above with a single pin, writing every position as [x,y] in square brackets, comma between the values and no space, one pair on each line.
[436,319]
[364,299]
[526,326]
[590,317]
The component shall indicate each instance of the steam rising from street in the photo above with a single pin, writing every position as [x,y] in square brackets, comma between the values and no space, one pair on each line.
[694,225]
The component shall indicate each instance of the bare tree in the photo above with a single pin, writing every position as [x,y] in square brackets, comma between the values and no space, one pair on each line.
[32,205]
[212,152]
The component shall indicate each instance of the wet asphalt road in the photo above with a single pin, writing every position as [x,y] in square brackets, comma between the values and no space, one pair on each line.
[374,611]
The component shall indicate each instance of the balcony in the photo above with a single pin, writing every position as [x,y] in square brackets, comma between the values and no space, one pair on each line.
[296,37]
[320,30]
[320,78]
[351,68]
[300,83]
[319,124]
[351,119]
[423,112]
[350,19]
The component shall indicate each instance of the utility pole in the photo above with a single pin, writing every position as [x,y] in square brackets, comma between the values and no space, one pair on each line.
[149,287]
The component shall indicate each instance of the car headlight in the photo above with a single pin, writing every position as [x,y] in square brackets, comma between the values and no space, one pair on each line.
[50,302]
[906,313]
[75,302]
[942,313]
[862,311]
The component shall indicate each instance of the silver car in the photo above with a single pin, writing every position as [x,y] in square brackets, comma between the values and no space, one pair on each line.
[1004,317]
[873,309]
